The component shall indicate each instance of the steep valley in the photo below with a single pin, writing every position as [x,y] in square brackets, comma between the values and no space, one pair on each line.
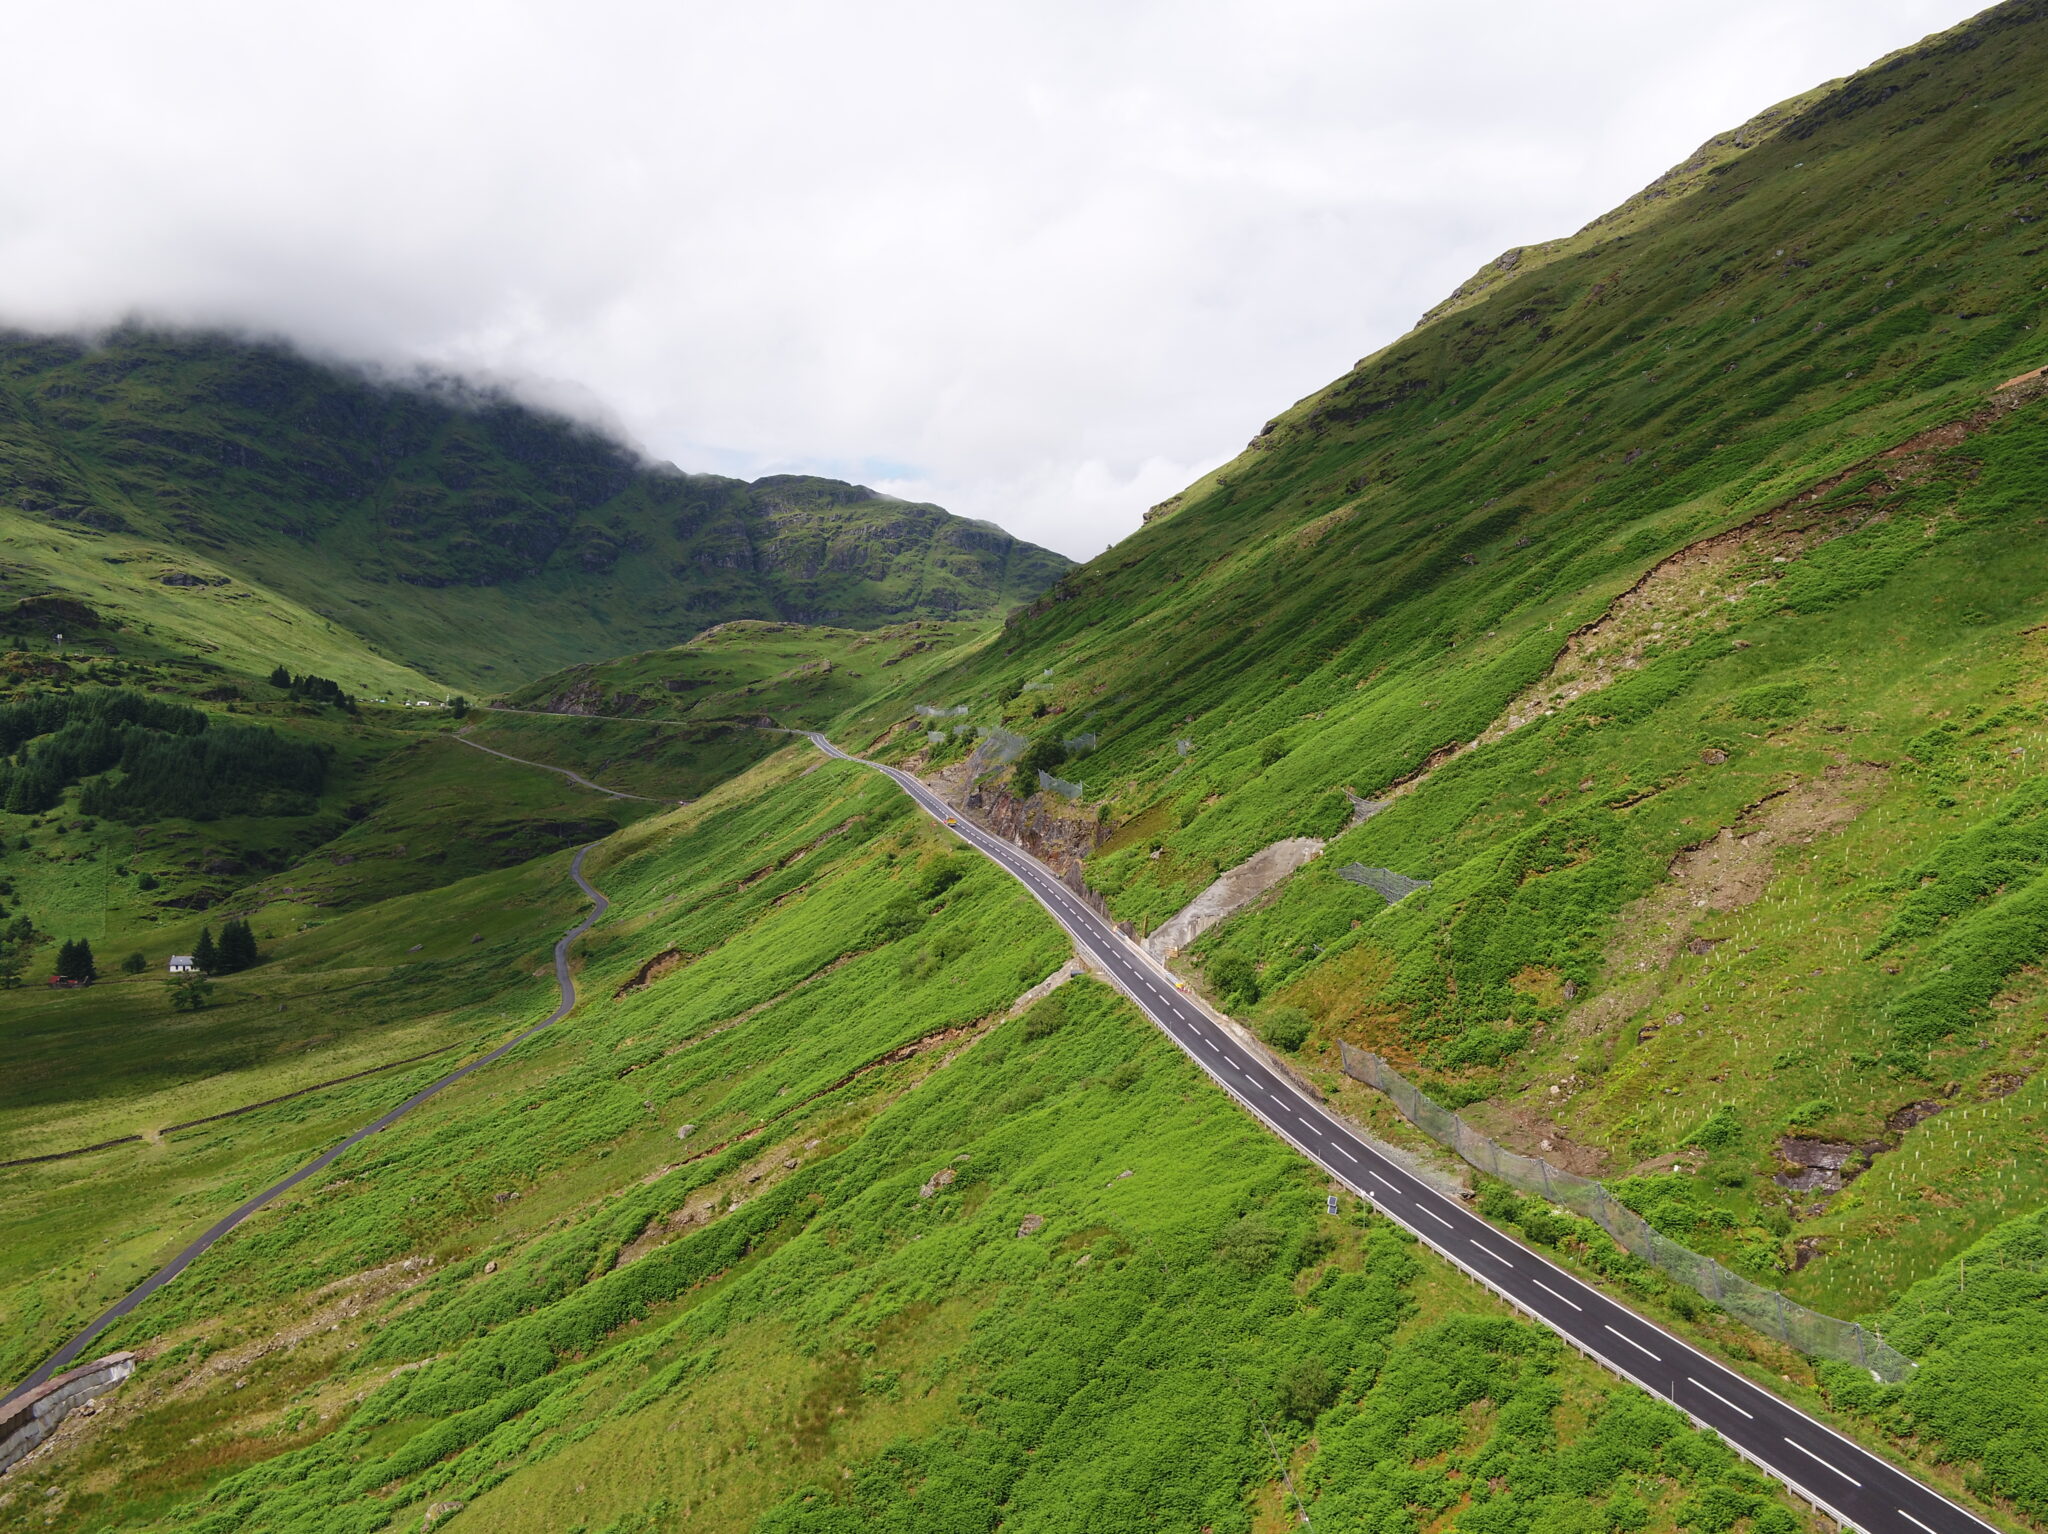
[1638,668]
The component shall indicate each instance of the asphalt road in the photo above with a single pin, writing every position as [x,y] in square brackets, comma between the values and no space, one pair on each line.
[1846,1481]
[64,1356]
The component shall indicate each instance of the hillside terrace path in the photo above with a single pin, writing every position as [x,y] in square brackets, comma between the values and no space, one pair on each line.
[564,980]
[1841,1478]
[574,777]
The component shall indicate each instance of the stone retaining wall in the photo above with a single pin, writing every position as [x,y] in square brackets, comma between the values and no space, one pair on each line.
[33,1417]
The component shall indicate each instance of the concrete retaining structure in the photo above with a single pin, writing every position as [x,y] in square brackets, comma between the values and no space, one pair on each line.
[33,1417]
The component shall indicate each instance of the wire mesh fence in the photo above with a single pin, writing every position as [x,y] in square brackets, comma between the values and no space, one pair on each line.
[995,748]
[1390,886]
[933,711]
[1764,1310]
[1061,786]
[1083,742]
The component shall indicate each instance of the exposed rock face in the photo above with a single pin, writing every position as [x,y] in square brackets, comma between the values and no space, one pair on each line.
[1059,834]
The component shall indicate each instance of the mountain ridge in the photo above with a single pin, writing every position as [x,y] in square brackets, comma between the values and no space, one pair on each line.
[230,461]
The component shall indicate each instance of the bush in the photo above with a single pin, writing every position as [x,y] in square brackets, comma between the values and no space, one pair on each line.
[1307,1391]
[1286,1028]
[1235,979]
[1248,1245]
[1048,1015]
[134,964]
[1720,1130]
[1046,755]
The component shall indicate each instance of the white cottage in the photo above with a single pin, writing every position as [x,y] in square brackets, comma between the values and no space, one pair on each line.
[181,964]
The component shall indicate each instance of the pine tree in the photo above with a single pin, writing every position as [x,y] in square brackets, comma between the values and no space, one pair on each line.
[205,954]
[281,678]
[74,962]
[237,947]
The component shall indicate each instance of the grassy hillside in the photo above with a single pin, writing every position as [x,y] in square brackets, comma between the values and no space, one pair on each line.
[1679,597]
[1671,601]
[794,1228]
[251,504]
[679,720]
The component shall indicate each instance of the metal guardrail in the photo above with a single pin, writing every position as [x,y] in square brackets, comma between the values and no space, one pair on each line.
[1765,1310]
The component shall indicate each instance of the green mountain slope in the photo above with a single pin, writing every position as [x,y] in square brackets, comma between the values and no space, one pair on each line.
[1674,607]
[242,498]
[1670,604]
[796,1227]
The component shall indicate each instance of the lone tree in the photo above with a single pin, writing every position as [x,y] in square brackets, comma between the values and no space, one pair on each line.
[74,962]
[237,947]
[190,994]
[281,677]
[206,953]
[1043,756]
[134,964]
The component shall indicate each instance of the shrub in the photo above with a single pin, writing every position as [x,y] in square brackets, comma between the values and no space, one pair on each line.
[1248,1245]
[1307,1390]
[1720,1130]
[1235,979]
[1047,1016]
[1286,1028]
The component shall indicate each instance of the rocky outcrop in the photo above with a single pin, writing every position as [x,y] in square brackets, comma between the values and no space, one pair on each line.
[1059,834]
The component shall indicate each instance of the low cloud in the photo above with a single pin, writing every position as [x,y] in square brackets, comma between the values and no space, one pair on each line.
[1042,263]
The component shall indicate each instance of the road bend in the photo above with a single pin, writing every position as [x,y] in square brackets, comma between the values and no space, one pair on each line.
[564,980]
[1841,1478]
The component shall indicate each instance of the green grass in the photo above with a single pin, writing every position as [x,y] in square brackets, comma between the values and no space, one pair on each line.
[784,1333]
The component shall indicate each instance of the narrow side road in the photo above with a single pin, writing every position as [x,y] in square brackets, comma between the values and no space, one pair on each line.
[64,1356]
[574,777]
[1842,1478]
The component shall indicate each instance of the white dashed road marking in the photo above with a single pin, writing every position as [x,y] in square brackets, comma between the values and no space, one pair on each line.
[1842,1473]
[1625,1337]
[1710,1390]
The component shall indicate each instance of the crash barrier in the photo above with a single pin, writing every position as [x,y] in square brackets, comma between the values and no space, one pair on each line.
[1765,1310]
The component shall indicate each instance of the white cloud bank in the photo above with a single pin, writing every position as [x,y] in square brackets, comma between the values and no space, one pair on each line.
[1042,261]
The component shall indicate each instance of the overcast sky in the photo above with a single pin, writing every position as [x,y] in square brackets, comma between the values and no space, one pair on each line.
[1042,262]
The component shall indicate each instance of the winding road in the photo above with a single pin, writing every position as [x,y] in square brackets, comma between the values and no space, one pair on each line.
[64,1356]
[1841,1478]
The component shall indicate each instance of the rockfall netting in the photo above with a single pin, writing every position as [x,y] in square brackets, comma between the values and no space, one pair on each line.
[1061,786]
[1765,1310]
[996,748]
[933,711]
[1392,887]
